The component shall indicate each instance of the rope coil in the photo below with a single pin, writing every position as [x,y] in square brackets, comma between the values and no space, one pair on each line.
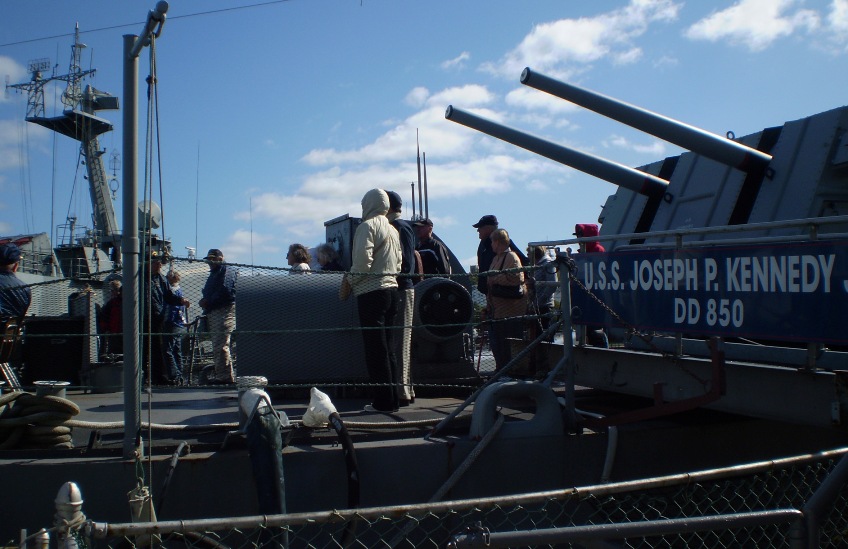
[33,421]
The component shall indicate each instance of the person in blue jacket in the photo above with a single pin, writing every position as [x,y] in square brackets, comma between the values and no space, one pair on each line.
[157,296]
[175,324]
[219,304]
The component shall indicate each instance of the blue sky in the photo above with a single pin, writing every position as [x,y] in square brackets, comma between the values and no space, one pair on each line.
[277,117]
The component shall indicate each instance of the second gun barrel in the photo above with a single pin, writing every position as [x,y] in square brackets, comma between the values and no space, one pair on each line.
[624,176]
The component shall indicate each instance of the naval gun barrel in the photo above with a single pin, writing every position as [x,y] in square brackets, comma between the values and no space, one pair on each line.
[619,174]
[689,137]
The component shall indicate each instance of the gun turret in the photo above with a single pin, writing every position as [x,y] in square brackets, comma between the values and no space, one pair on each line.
[689,137]
[619,174]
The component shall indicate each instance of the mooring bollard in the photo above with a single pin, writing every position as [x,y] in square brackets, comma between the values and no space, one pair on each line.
[69,516]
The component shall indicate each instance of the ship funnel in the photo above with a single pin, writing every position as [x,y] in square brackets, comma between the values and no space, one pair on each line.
[689,137]
[619,174]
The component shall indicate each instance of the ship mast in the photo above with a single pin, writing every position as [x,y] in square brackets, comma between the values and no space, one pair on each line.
[78,121]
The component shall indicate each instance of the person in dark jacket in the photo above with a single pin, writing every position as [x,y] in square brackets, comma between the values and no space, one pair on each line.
[15,296]
[158,295]
[219,304]
[328,257]
[435,257]
[406,300]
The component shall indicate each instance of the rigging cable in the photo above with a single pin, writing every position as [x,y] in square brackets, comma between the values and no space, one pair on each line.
[170,18]
[52,227]
[196,196]
[147,193]
[153,72]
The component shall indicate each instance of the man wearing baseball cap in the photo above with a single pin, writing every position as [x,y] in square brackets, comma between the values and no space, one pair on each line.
[434,254]
[219,304]
[485,227]
[15,296]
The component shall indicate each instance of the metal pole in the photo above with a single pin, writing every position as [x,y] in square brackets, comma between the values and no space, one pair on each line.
[605,534]
[822,502]
[420,191]
[567,343]
[130,253]
[426,194]
[129,239]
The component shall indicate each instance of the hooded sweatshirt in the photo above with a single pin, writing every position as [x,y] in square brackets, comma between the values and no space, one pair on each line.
[589,229]
[376,247]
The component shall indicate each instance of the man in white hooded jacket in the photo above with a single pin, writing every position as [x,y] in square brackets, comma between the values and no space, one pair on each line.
[372,278]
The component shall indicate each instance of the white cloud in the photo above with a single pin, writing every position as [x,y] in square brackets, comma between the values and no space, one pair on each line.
[417,97]
[338,190]
[755,24]
[562,48]
[240,244]
[16,73]
[399,142]
[537,186]
[471,95]
[665,61]
[654,149]
[627,57]
[837,22]
[535,100]
[838,16]
[457,62]
[12,134]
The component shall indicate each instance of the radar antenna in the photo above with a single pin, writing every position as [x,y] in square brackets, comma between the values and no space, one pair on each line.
[34,88]
[72,97]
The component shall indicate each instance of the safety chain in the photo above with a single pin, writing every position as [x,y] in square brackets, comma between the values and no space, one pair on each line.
[572,270]
[572,275]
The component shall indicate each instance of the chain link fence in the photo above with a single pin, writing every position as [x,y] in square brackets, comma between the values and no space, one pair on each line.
[764,505]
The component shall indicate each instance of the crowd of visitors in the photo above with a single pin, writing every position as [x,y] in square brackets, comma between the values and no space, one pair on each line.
[388,257]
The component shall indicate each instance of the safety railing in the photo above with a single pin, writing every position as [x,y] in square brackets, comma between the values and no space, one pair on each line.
[799,502]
